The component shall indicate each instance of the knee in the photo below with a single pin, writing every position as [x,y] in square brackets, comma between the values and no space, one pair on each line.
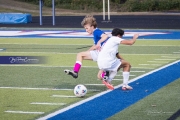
[79,54]
[99,77]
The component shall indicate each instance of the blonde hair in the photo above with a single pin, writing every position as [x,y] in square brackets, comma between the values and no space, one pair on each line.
[89,19]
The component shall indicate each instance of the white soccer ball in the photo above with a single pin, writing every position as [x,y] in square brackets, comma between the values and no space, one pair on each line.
[80,90]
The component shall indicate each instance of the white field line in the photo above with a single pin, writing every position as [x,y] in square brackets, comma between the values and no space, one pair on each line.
[24,65]
[41,52]
[100,94]
[142,68]
[94,84]
[48,66]
[63,96]
[93,90]
[170,57]
[137,71]
[71,66]
[157,61]
[23,112]
[143,64]
[76,53]
[156,64]
[150,64]
[64,66]
[42,44]
[176,52]
[40,103]
[165,59]
[71,44]
[122,75]
[24,88]
[118,79]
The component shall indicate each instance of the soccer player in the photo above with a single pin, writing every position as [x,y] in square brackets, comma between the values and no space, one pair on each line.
[107,60]
[90,25]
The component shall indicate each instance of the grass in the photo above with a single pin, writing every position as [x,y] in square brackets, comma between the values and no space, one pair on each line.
[61,54]
[158,106]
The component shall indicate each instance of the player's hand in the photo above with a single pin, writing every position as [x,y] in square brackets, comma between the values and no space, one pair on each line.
[98,46]
[136,36]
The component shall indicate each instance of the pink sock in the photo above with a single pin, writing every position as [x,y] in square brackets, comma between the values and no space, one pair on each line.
[103,74]
[77,66]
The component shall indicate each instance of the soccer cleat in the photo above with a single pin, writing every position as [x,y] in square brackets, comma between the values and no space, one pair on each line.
[72,73]
[108,85]
[106,76]
[126,87]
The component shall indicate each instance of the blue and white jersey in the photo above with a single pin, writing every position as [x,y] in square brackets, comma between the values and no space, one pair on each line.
[97,36]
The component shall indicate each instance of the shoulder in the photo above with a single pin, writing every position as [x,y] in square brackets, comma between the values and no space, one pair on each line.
[116,39]
[98,31]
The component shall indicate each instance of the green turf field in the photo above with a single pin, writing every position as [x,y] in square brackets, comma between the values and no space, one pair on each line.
[36,90]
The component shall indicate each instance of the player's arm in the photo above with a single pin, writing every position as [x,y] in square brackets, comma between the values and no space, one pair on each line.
[131,41]
[92,48]
[103,38]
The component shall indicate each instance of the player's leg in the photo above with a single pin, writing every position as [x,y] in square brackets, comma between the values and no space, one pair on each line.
[77,66]
[105,75]
[112,74]
[126,72]
[99,75]
[80,57]
[105,82]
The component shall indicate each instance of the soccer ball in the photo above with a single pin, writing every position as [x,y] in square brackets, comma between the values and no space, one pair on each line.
[80,90]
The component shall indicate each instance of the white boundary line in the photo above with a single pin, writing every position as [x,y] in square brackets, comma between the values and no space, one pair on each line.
[100,94]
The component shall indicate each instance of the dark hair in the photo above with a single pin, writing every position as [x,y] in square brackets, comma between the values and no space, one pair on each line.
[117,31]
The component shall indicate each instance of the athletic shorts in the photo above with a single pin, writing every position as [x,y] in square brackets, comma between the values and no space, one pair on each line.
[94,54]
[107,66]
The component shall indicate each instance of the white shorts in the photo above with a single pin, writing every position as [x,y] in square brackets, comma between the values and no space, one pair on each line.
[94,54]
[107,66]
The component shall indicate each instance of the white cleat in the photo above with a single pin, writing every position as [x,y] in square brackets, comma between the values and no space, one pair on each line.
[126,87]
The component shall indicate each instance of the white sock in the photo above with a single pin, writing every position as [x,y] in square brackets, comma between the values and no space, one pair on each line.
[112,74]
[125,78]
